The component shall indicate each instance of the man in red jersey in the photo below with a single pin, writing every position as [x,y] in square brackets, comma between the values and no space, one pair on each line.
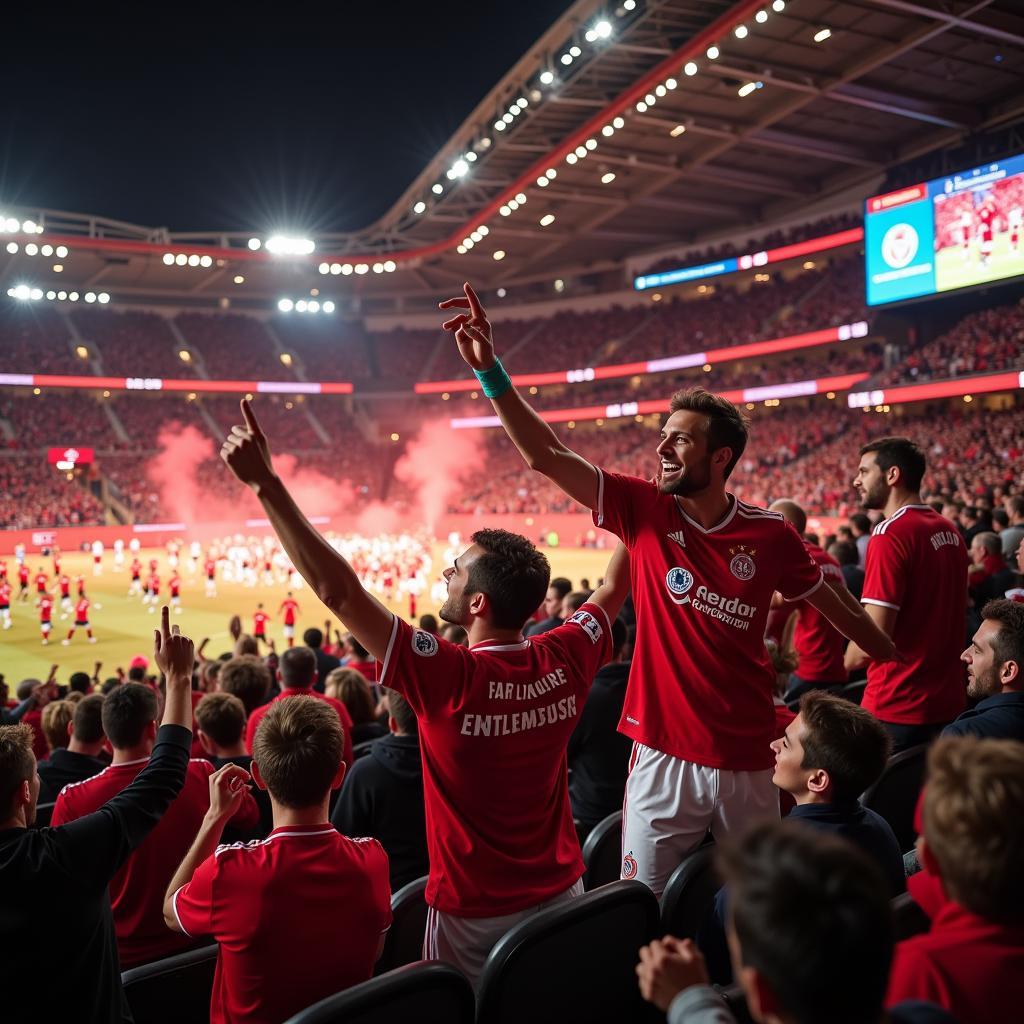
[296,672]
[137,890]
[705,567]
[81,622]
[915,590]
[174,585]
[23,582]
[300,914]
[41,580]
[152,592]
[80,585]
[818,644]
[3,570]
[290,608]
[5,603]
[259,623]
[64,584]
[495,718]
[45,617]
[210,568]
[135,587]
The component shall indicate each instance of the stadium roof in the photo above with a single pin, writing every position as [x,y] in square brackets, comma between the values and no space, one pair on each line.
[624,130]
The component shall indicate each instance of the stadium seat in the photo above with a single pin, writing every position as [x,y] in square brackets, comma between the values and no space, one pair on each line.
[362,749]
[689,894]
[894,795]
[575,961]
[44,812]
[418,992]
[908,918]
[175,990]
[736,999]
[404,944]
[602,852]
[854,691]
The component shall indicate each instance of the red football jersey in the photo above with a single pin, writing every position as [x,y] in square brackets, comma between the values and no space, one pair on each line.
[5,593]
[818,643]
[211,567]
[41,579]
[65,586]
[3,569]
[175,585]
[290,608]
[917,565]
[494,724]
[701,684]
[346,719]
[260,620]
[136,568]
[137,890]
[45,608]
[82,611]
[153,583]
[298,916]
[23,574]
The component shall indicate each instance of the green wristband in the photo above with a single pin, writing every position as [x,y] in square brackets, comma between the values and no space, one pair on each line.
[494,380]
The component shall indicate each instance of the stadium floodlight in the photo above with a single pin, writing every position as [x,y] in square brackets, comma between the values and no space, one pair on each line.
[31,249]
[90,296]
[571,158]
[254,244]
[761,17]
[618,123]
[513,205]
[548,218]
[499,254]
[641,107]
[499,125]
[507,118]
[607,131]
[779,6]
[29,227]
[22,292]
[484,143]
[362,268]
[670,83]
[181,259]
[650,99]
[581,151]
[313,306]
[591,144]
[12,247]
[285,305]
[741,31]
[378,268]
[460,168]
[822,34]
[520,198]
[437,188]
[504,211]
[607,178]
[515,109]
[206,261]
[566,59]
[390,266]
[575,51]
[629,5]
[193,260]
[542,181]
[328,306]
[484,230]
[420,207]
[677,131]
[335,269]
[346,269]
[591,36]
[61,296]
[660,91]
[58,268]
[748,87]
[603,29]
[547,77]
[324,268]
[690,68]
[11,224]
[460,249]
[300,306]
[168,259]
[713,53]
[47,250]
[36,294]
[290,245]
[103,298]
[238,279]
[73,296]
[61,251]
[51,295]
[468,243]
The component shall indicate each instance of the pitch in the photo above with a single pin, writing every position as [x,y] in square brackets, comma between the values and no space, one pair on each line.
[952,271]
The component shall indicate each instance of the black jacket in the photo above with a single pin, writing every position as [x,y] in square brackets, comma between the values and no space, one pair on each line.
[62,767]
[58,878]
[382,797]
[999,717]
[536,628]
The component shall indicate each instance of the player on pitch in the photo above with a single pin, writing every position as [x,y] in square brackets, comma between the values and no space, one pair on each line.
[704,569]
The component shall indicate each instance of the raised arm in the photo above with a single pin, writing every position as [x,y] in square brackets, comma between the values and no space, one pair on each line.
[332,579]
[615,589]
[536,441]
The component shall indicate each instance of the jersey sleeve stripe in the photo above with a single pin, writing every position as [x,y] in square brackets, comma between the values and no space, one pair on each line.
[807,593]
[600,496]
[174,907]
[387,655]
[884,604]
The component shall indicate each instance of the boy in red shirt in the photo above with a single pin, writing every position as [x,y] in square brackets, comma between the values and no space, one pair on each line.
[302,913]
[174,583]
[41,579]
[81,621]
[5,603]
[972,960]
[23,582]
[45,617]
[136,891]
[495,718]
[259,623]
[290,607]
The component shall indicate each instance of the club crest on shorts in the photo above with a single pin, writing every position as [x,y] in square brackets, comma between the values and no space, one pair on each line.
[590,625]
[742,565]
[629,866]
[424,643]
[679,580]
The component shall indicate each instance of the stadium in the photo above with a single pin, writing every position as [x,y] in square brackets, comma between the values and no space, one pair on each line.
[797,224]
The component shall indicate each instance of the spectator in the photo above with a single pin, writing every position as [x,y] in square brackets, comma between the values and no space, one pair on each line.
[810,935]
[220,721]
[972,960]
[129,721]
[988,575]
[1011,537]
[297,674]
[350,686]
[845,554]
[557,591]
[325,662]
[573,602]
[598,754]
[56,722]
[63,874]
[860,526]
[454,634]
[995,675]
[429,623]
[81,758]
[296,920]
[81,682]
[246,677]
[382,796]
[358,658]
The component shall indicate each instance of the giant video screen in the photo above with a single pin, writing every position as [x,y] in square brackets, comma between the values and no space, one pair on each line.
[954,232]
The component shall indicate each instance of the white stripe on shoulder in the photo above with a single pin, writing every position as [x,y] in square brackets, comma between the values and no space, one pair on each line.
[746,509]
[600,496]
[886,523]
[387,653]
[81,782]
[174,907]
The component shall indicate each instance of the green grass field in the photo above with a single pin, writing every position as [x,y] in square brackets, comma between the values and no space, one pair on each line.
[952,272]
[123,627]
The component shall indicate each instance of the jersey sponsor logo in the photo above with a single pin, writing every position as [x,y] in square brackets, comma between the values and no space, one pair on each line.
[679,537]
[424,643]
[679,581]
[590,625]
[629,866]
[742,565]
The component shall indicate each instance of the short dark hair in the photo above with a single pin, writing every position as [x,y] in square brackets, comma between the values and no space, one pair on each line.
[247,678]
[127,711]
[352,688]
[561,586]
[357,648]
[297,666]
[845,552]
[998,515]
[299,745]
[811,914]
[1008,644]
[1016,503]
[17,764]
[80,681]
[902,453]
[87,722]
[861,521]
[222,717]
[312,638]
[845,740]
[137,674]
[577,599]
[726,426]
[398,708]
[512,573]
[428,622]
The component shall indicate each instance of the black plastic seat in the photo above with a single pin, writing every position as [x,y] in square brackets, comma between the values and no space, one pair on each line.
[602,852]
[854,691]
[175,990]
[573,962]
[404,943]
[417,992]
[362,749]
[894,796]
[908,919]
[690,894]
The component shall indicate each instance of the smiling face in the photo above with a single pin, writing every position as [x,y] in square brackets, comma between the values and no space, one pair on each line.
[686,465]
[870,482]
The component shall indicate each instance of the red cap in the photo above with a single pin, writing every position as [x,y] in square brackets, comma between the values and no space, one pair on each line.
[139,662]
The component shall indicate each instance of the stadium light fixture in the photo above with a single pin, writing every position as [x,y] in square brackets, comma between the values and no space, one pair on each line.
[58,268]
[12,224]
[671,83]
[607,131]
[690,68]
[499,254]
[347,269]
[641,107]
[504,211]
[471,156]
[12,247]
[168,259]
[193,260]
[778,6]
[741,31]
[290,245]
[571,158]
[581,151]
[460,249]
[437,188]
[548,218]
[547,77]
[31,249]
[285,305]
[822,34]
[46,250]
[181,259]
[520,198]
[660,91]
[90,296]
[629,5]
[677,131]
[73,296]
[61,251]
[748,87]
[607,178]
[255,244]
[618,123]
[362,268]
[761,17]
[499,126]
[324,268]
[713,53]
[328,307]
[591,144]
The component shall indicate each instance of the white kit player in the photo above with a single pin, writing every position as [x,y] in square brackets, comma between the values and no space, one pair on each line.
[118,555]
[704,567]
[97,558]
[195,552]
[134,546]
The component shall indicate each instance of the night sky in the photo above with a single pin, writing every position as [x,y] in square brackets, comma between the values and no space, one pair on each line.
[244,116]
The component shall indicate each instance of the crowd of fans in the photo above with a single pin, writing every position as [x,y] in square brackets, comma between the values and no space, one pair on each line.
[30,497]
